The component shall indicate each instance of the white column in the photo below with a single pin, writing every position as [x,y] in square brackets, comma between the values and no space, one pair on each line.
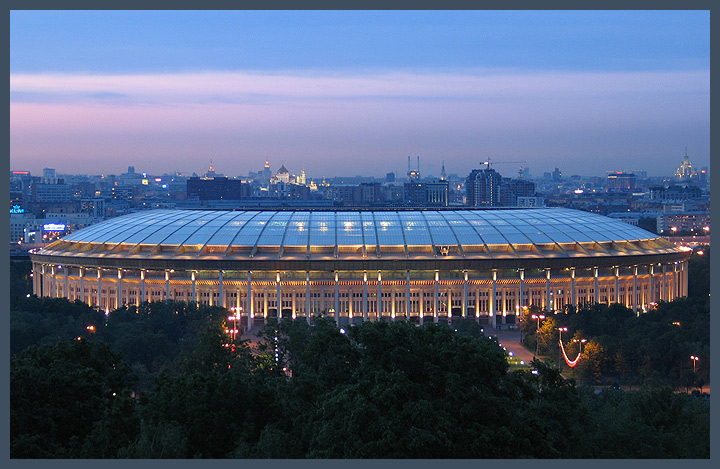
[119,295]
[521,301]
[573,298]
[278,294]
[652,283]
[307,296]
[81,274]
[294,297]
[250,300]
[635,290]
[465,296]
[142,286]
[337,300]
[167,286]
[407,295]
[99,272]
[53,291]
[437,295]
[192,283]
[365,297]
[67,281]
[550,306]
[221,294]
[493,313]
[617,284]
[392,305]
[379,298]
[448,296]
[597,292]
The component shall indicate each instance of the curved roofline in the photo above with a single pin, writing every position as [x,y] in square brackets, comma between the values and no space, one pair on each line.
[544,233]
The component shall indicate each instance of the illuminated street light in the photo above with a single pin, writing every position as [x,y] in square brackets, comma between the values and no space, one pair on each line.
[560,330]
[582,341]
[537,330]
[694,359]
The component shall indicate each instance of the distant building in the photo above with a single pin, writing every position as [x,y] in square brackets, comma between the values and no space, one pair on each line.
[695,221]
[530,202]
[487,188]
[621,182]
[676,193]
[283,175]
[217,188]
[483,188]
[427,193]
[557,175]
[631,218]
[52,192]
[390,177]
[686,173]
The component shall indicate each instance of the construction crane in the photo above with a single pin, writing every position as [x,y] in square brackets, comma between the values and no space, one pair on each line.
[520,171]
[501,162]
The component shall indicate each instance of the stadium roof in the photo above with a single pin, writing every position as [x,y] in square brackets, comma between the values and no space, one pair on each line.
[409,234]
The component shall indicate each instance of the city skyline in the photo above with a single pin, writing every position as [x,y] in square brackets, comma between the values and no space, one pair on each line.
[337,93]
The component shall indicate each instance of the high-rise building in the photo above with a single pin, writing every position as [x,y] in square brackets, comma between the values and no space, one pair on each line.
[483,188]
[219,188]
[427,193]
[621,182]
[686,173]
[487,188]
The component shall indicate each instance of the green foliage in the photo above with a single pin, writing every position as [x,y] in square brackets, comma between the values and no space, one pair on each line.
[20,279]
[377,390]
[654,346]
[699,273]
[62,393]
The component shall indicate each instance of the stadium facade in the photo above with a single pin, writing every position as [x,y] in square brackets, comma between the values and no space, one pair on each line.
[424,265]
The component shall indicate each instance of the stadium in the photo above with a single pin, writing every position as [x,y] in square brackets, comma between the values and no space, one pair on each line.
[422,265]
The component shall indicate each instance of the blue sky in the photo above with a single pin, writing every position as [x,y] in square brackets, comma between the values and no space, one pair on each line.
[345,93]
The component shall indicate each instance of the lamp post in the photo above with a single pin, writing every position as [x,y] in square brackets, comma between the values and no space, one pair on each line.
[560,330]
[582,341]
[537,330]
[694,359]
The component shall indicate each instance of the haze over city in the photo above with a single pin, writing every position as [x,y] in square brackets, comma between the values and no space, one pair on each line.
[346,93]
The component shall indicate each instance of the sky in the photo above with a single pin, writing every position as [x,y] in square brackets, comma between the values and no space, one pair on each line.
[356,92]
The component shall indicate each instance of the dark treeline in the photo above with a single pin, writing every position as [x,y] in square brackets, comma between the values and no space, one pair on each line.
[165,380]
[628,349]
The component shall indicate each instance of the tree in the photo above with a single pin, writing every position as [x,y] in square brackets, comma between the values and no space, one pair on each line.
[59,392]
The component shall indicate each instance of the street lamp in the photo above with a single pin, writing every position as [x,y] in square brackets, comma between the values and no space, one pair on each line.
[694,359]
[537,330]
[582,341]
[560,330]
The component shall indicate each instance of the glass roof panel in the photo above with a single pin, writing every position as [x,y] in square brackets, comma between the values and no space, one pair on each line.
[297,230]
[388,229]
[160,235]
[273,233]
[322,229]
[249,232]
[415,230]
[368,223]
[173,227]
[206,230]
[440,230]
[227,232]
[517,238]
[349,229]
